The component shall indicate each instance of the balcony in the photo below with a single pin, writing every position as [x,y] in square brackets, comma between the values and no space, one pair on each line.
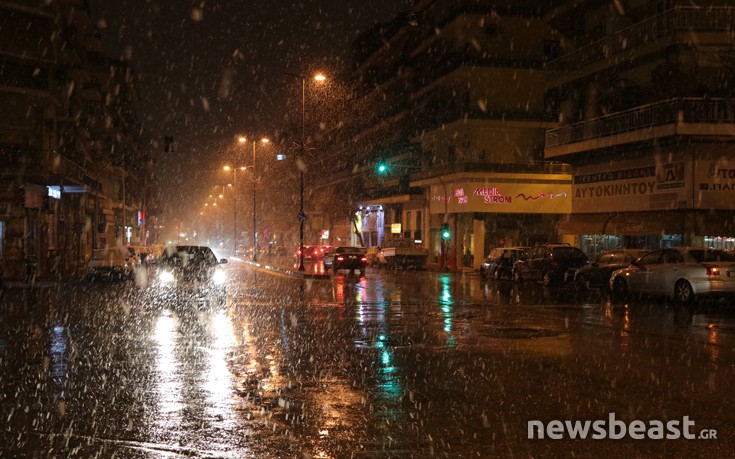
[39,165]
[686,116]
[437,108]
[692,20]
[431,68]
[548,167]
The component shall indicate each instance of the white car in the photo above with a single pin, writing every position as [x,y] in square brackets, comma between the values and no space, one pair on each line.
[113,263]
[681,273]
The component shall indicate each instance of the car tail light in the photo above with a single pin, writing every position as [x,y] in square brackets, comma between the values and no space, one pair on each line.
[364,258]
[340,258]
[713,271]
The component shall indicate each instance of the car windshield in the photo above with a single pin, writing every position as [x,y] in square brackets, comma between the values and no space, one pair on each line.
[704,255]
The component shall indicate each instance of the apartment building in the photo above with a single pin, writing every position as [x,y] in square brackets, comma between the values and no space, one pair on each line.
[647,119]
[450,97]
[76,172]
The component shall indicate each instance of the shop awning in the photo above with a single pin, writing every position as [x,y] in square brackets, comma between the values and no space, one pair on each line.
[623,224]
[582,224]
[645,223]
[716,223]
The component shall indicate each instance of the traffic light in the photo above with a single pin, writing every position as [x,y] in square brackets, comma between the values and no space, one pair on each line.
[382,168]
[446,234]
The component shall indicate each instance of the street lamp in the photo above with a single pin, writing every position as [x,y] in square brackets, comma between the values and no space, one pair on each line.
[243,140]
[302,148]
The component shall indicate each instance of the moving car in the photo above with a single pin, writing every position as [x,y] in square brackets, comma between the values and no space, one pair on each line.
[596,276]
[190,273]
[352,258]
[681,273]
[549,263]
[499,262]
[112,263]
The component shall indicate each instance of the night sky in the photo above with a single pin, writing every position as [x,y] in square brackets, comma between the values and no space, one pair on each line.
[208,71]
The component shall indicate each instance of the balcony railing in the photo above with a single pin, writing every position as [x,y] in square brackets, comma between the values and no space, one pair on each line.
[673,111]
[677,19]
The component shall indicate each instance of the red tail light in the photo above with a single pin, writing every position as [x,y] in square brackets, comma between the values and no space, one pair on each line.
[340,258]
[364,259]
[713,271]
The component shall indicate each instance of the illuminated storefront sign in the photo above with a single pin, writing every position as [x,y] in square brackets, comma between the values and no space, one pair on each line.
[501,197]
[395,228]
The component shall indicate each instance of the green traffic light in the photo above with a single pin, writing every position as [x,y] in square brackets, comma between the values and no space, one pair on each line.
[446,234]
[382,168]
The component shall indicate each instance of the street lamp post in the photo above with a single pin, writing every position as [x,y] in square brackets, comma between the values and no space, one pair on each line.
[243,139]
[302,149]
[234,206]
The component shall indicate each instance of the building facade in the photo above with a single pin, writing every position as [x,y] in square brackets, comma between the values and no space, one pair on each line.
[450,99]
[75,173]
[647,119]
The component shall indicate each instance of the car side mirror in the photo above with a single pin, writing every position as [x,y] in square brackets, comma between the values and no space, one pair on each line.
[223,261]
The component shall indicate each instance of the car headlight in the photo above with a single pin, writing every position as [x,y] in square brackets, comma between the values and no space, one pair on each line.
[219,277]
[166,277]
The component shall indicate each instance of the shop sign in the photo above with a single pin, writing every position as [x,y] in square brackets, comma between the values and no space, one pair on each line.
[634,188]
[501,197]
[715,184]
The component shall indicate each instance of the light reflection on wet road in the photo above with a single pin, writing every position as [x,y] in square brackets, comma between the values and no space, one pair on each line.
[405,364]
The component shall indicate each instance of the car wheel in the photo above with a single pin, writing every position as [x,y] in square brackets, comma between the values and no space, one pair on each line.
[517,276]
[620,289]
[683,292]
[582,284]
[546,279]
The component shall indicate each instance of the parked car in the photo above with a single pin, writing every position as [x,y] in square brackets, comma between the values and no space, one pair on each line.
[499,262]
[112,263]
[352,258]
[189,273]
[596,276]
[145,255]
[375,256]
[313,252]
[549,263]
[681,273]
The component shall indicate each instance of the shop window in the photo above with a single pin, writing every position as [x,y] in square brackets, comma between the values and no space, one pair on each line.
[720,243]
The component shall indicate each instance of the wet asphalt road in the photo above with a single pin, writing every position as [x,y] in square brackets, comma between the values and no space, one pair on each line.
[405,364]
